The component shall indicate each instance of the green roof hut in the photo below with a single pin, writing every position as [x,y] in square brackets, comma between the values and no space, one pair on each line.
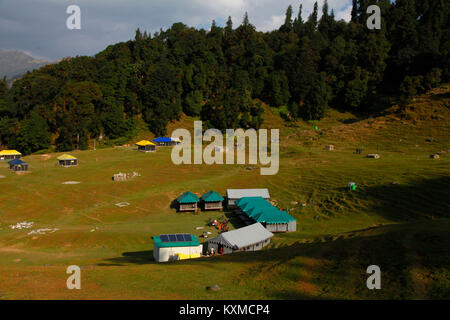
[188,202]
[212,201]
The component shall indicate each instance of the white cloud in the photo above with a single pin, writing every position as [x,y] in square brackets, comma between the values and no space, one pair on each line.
[40,26]
[345,14]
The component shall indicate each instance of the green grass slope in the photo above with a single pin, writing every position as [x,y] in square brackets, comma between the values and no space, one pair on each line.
[398,218]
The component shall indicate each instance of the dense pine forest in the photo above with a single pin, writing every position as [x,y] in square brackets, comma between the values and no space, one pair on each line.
[222,75]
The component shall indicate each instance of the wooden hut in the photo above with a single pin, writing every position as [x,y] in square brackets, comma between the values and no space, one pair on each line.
[66,160]
[10,155]
[164,142]
[212,201]
[146,146]
[18,165]
[188,202]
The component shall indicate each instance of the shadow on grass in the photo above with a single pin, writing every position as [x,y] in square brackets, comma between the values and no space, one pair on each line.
[334,267]
[350,120]
[440,96]
[233,218]
[425,199]
[137,257]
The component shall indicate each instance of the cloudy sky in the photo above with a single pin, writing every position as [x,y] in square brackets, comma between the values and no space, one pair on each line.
[39,27]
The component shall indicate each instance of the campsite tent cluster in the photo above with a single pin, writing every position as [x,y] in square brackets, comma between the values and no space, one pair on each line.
[209,201]
[15,163]
[150,146]
[252,205]
[66,160]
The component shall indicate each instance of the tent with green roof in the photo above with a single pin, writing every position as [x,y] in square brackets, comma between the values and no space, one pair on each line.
[212,201]
[260,210]
[188,202]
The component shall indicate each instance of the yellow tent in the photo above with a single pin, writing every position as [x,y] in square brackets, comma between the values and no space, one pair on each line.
[66,157]
[144,143]
[10,153]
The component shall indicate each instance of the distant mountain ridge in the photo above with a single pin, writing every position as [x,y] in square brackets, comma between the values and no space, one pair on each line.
[15,63]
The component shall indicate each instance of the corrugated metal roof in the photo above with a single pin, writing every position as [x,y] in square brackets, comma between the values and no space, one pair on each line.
[212,196]
[244,237]
[188,197]
[241,193]
[263,211]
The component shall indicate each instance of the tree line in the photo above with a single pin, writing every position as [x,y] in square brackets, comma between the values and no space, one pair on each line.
[222,75]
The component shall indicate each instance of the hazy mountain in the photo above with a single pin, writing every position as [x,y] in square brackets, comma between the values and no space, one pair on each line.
[14,63]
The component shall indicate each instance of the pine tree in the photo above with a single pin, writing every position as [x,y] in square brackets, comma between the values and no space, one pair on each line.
[298,22]
[287,26]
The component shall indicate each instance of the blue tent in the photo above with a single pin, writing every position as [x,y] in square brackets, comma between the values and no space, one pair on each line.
[16,162]
[162,139]
[18,165]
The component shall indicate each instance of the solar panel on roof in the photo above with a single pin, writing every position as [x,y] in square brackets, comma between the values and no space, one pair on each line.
[181,237]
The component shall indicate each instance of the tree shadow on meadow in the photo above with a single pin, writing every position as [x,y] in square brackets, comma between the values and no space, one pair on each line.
[137,257]
[424,199]
[334,267]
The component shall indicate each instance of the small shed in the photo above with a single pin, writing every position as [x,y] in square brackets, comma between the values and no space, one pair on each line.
[146,146]
[10,155]
[251,238]
[164,141]
[18,165]
[329,147]
[67,160]
[212,201]
[261,210]
[173,247]
[236,194]
[188,202]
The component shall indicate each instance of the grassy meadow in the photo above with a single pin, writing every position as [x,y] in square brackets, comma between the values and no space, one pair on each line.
[398,217]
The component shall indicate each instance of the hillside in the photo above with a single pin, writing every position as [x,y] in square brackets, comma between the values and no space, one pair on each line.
[303,69]
[398,218]
[15,63]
